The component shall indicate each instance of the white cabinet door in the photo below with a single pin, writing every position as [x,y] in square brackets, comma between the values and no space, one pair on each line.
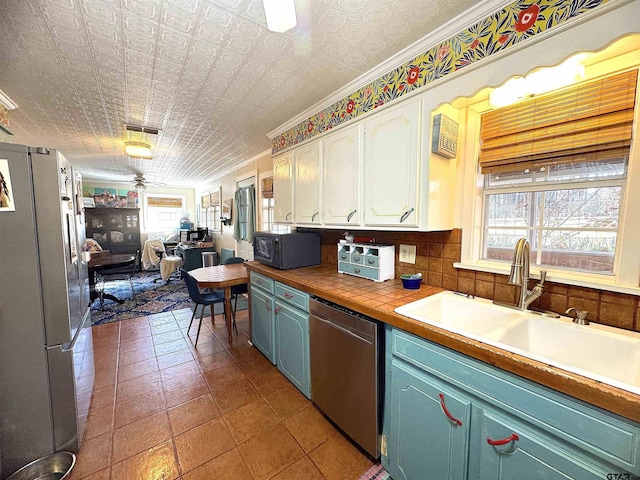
[341,177]
[283,188]
[306,189]
[391,167]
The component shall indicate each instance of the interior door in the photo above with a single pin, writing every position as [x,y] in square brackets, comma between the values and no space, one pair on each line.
[244,248]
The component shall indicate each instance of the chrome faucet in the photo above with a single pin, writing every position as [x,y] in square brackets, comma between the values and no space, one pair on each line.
[519,275]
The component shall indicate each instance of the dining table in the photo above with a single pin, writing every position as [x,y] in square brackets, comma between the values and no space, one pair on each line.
[222,277]
[102,262]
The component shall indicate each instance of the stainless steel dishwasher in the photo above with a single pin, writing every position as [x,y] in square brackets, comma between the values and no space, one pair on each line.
[346,370]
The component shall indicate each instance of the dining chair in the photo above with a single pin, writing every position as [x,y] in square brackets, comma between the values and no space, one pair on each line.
[199,298]
[236,290]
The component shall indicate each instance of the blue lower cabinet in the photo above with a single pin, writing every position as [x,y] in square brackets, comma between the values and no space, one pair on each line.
[263,322]
[427,427]
[292,345]
[448,416]
[509,450]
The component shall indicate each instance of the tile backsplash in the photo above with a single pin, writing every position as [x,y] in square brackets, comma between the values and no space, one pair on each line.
[437,251]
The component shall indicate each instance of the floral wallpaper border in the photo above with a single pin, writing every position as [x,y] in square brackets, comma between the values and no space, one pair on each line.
[514,24]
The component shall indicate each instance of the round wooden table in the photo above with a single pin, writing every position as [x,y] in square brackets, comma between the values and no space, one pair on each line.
[106,262]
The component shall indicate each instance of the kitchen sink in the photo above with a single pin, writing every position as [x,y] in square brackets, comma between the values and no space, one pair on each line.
[606,354]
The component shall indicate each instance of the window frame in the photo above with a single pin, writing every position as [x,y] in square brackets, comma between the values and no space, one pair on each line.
[147,228]
[626,276]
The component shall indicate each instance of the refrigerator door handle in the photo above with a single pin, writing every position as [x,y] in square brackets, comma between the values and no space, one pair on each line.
[67,347]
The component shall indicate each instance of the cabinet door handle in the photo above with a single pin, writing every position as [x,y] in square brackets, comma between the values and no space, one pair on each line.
[287,295]
[277,310]
[259,282]
[370,261]
[351,215]
[406,214]
[343,257]
[287,216]
[313,217]
[447,413]
[357,270]
[503,441]
[356,258]
[266,302]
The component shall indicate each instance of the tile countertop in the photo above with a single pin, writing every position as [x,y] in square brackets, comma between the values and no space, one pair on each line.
[378,300]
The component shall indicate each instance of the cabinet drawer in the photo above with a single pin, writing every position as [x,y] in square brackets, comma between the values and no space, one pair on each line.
[361,271]
[604,434]
[372,261]
[344,255]
[293,296]
[357,256]
[262,282]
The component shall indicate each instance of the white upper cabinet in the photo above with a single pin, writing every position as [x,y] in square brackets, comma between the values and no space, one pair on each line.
[307,184]
[341,177]
[391,167]
[283,188]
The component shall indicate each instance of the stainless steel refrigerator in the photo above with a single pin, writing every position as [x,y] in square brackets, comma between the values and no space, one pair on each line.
[46,349]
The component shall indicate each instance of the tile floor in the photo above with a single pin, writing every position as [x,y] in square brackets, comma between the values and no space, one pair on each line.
[164,409]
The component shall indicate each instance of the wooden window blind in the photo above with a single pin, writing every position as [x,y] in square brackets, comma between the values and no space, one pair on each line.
[267,187]
[168,202]
[205,201]
[586,122]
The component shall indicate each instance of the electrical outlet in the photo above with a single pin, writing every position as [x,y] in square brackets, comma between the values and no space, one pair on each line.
[408,253]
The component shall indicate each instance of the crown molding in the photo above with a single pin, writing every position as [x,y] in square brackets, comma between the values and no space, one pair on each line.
[445,31]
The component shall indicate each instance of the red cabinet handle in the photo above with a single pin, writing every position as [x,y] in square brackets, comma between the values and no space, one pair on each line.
[266,302]
[277,310]
[287,295]
[504,441]
[259,282]
[447,413]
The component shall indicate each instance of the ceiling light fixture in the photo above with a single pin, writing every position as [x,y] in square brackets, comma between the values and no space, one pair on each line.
[281,15]
[138,149]
[7,102]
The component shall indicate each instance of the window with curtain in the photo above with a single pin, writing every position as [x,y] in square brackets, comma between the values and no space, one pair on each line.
[555,169]
[213,213]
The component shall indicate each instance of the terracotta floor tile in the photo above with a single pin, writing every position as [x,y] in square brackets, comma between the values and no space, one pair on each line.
[134,356]
[164,328]
[141,435]
[159,319]
[139,407]
[228,466]
[235,395]
[95,455]
[138,369]
[99,421]
[138,386]
[255,366]
[166,337]
[310,428]
[209,348]
[175,358]
[101,475]
[220,377]
[136,344]
[270,452]
[338,459]
[170,347]
[206,336]
[184,390]
[192,414]
[103,378]
[269,381]
[203,443]
[250,420]
[103,396]
[134,333]
[302,469]
[179,372]
[217,360]
[287,401]
[156,463]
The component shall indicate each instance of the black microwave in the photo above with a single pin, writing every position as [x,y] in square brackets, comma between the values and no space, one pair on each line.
[286,250]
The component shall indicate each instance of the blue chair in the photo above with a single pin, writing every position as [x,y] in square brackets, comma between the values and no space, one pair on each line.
[236,290]
[203,299]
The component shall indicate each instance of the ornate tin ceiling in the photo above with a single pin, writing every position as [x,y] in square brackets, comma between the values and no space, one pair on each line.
[207,73]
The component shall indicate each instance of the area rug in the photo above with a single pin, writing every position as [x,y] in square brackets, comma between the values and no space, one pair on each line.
[377,472]
[149,298]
